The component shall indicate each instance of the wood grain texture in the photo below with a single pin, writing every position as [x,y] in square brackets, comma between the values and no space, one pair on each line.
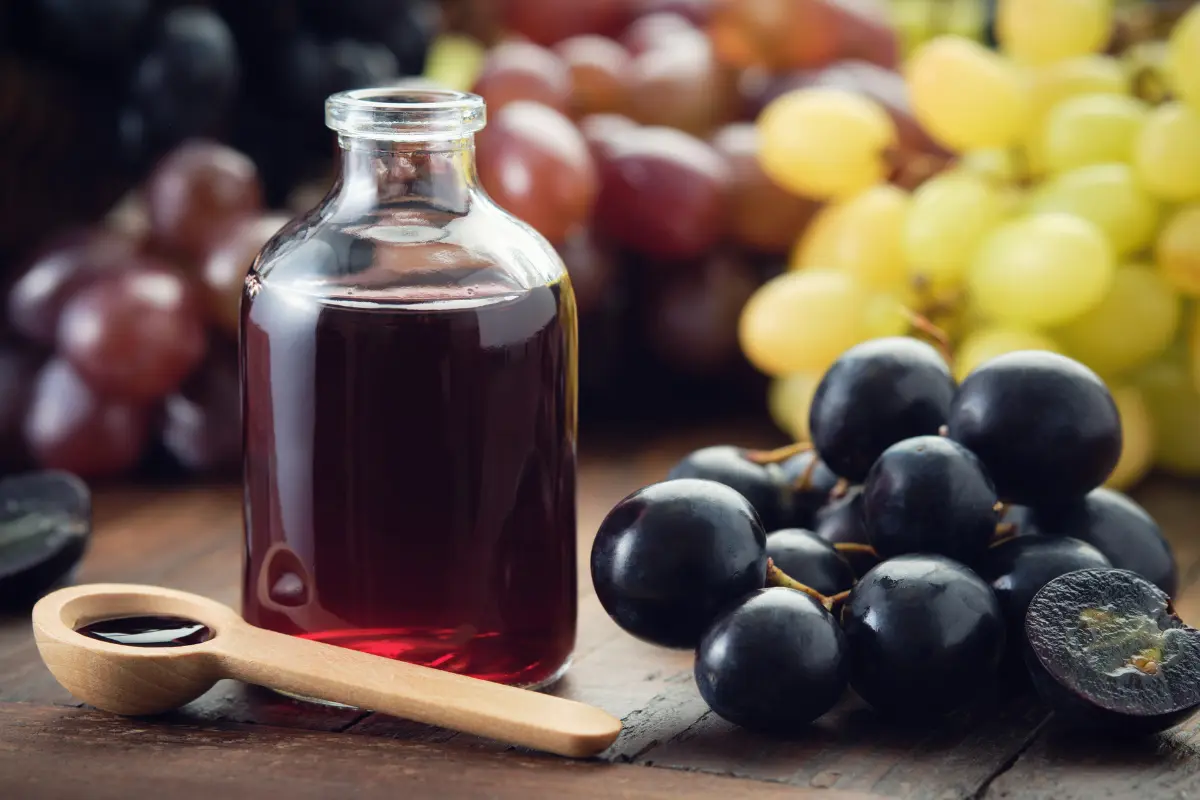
[191,539]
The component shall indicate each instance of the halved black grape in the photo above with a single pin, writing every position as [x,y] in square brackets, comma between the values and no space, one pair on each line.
[925,634]
[1018,568]
[809,559]
[929,495]
[1107,652]
[1044,425]
[811,482]
[764,485]
[45,524]
[876,394]
[1117,527]
[774,663]
[670,557]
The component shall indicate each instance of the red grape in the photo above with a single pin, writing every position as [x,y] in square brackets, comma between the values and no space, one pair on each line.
[224,273]
[68,426]
[550,21]
[763,216]
[663,193]
[535,163]
[17,371]
[593,269]
[678,83]
[195,191]
[597,68]
[599,130]
[791,34]
[523,71]
[134,334]
[691,316]
[655,30]
[202,425]
[695,11]
[36,299]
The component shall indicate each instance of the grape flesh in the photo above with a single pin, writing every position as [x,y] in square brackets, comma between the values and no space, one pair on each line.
[1136,321]
[535,164]
[874,395]
[925,635]
[1041,270]
[825,143]
[1165,156]
[1108,195]
[966,96]
[134,335]
[929,495]
[70,427]
[668,559]
[774,662]
[1009,408]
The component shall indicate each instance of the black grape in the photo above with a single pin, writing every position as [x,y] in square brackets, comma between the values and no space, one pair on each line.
[91,31]
[811,482]
[763,485]
[809,559]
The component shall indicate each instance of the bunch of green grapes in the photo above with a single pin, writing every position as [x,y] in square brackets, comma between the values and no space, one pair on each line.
[1069,221]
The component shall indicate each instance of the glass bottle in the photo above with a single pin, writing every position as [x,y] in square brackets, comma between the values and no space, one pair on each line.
[409,401]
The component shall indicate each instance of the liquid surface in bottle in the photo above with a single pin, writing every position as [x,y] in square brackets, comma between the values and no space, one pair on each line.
[410,467]
[148,631]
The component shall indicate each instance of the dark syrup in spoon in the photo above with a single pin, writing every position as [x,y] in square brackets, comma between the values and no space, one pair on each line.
[148,631]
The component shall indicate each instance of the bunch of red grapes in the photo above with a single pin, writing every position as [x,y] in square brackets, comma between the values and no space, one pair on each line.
[128,333]
[622,131]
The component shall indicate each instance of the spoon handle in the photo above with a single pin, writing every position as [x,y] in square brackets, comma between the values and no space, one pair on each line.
[340,675]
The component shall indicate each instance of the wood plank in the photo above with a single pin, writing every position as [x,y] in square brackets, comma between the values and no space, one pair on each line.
[48,753]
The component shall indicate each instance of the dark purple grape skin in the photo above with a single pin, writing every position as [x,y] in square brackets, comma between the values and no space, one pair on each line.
[876,394]
[1018,568]
[811,485]
[763,485]
[841,522]
[809,559]
[1044,426]
[670,557]
[929,495]
[773,663]
[1090,687]
[1116,526]
[925,636]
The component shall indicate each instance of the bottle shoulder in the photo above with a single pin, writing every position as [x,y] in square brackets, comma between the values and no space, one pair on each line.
[407,247]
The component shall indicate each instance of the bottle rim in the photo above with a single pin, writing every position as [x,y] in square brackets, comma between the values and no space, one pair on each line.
[414,111]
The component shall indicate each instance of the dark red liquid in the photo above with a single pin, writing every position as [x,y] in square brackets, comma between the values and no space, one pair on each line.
[148,631]
[410,474]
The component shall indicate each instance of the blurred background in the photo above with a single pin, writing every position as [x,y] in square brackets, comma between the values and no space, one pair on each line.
[148,148]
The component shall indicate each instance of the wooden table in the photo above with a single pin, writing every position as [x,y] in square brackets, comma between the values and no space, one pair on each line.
[242,742]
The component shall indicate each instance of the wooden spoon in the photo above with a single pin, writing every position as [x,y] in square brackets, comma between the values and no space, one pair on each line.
[150,680]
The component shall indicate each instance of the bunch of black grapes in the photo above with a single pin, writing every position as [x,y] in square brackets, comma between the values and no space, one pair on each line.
[253,73]
[932,538]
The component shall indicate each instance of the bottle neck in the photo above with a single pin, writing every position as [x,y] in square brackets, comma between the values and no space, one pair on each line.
[377,172]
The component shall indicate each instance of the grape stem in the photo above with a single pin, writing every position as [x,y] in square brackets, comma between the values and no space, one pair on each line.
[805,480]
[922,324]
[778,454]
[1005,531]
[856,547]
[839,489]
[777,577]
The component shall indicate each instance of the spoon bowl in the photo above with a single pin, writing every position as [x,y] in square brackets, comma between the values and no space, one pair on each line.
[136,681]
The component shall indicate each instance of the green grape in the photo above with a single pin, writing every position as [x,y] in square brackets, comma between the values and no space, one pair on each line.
[817,246]
[1137,438]
[995,164]
[1108,195]
[1052,84]
[917,22]
[788,400]
[1090,129]
[864,239]
[1174,406]
[1177,251]
[1183,57]
[825,143]
[1146,64]
[989,342]
[1194,349]
[1041,270]
[950,215]
[802,321]
[1038,32]
[454,62]
[884,314]
[1134,323]
[966,96]
[1166,154]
